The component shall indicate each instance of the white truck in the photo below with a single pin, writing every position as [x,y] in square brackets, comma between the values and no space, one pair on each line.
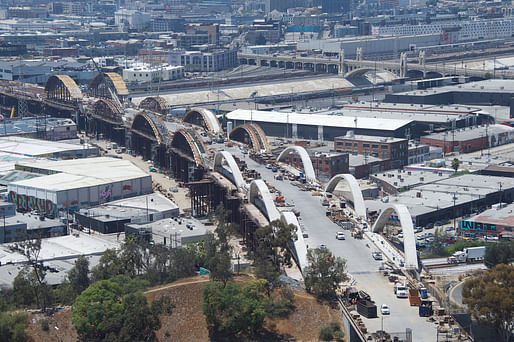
[469,254]
[400,289]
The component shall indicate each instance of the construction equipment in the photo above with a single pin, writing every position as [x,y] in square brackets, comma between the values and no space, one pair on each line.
[425,308]
[112,92]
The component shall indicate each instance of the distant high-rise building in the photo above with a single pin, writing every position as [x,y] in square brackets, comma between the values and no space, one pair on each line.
[335,6]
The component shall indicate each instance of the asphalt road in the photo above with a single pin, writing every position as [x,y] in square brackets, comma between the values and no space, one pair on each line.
[360,263]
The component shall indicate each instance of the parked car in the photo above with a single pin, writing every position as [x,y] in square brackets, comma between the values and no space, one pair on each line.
[340,236]
[400,236]
[377,255]
[384,309]
[269,166]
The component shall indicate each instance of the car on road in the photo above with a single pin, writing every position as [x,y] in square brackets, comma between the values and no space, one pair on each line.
[340,236]
[377,255]
[322,246]
[384,309]
[269,166]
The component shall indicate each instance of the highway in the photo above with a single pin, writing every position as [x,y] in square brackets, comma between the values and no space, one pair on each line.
[360,263]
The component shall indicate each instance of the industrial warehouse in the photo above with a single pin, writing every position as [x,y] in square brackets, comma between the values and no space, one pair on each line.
[77,183]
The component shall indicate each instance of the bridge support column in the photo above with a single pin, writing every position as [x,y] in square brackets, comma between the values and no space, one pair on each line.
[403,65]
[320,133]
[294,131]
[340,69]
[359,54]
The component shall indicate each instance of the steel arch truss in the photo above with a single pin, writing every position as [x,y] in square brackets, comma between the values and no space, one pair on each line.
[62,88]
[98,89]
[155,104]
[358,200]
[195,145]
[253,135]
[148,125]
[106,110]
[205,118]
[409,239]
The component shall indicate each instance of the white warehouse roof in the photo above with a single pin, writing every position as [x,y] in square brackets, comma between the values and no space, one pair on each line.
[79,173]
[311,119]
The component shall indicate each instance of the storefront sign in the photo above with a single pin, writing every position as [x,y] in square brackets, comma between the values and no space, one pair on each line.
[478,226]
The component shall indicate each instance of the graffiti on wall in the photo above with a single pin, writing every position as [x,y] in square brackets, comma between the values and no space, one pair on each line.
[30,203]
[105,193]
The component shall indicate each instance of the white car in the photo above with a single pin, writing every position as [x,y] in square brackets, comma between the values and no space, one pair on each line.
[384,309]
[340,236]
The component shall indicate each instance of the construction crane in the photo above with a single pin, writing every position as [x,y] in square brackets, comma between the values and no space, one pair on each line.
[108,85]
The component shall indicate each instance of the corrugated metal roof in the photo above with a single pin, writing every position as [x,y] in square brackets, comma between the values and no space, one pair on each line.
[349,122]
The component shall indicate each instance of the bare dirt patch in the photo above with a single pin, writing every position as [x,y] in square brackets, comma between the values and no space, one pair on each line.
[187,323]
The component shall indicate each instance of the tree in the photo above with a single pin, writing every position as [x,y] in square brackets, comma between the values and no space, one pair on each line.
[78,276]
[324,274]
[437,246]
[455,164]
[499,253]
[12,324]
[108,266]
[273,251]
[231,310]
[488,295]
[218,250]
[331,332]
[116,310]
[31,250]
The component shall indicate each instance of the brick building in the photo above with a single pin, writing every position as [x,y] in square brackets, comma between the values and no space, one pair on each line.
[326,164]
[470,139]
[395,150]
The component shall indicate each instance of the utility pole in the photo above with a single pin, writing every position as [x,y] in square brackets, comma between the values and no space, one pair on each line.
[454,213]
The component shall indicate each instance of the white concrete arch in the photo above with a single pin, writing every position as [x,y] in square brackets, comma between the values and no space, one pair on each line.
[358,200]
[288,217]
[257,187]
[409,239]
[232,165]
[306,161]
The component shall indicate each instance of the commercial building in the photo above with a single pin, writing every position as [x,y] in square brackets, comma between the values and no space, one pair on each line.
[393,149]
[427,118]
[21,226]
[450,198]
[371,45]
[335,6]
[317,126]
[43,128]
[499,92]
[43,148]
[453,32]
[167,24]
[326,164]
[146,73]
[394,181]
[74,184]
[470,139]
[111,217]
[172,232]
[497,221]
[203,61]
[131,19]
